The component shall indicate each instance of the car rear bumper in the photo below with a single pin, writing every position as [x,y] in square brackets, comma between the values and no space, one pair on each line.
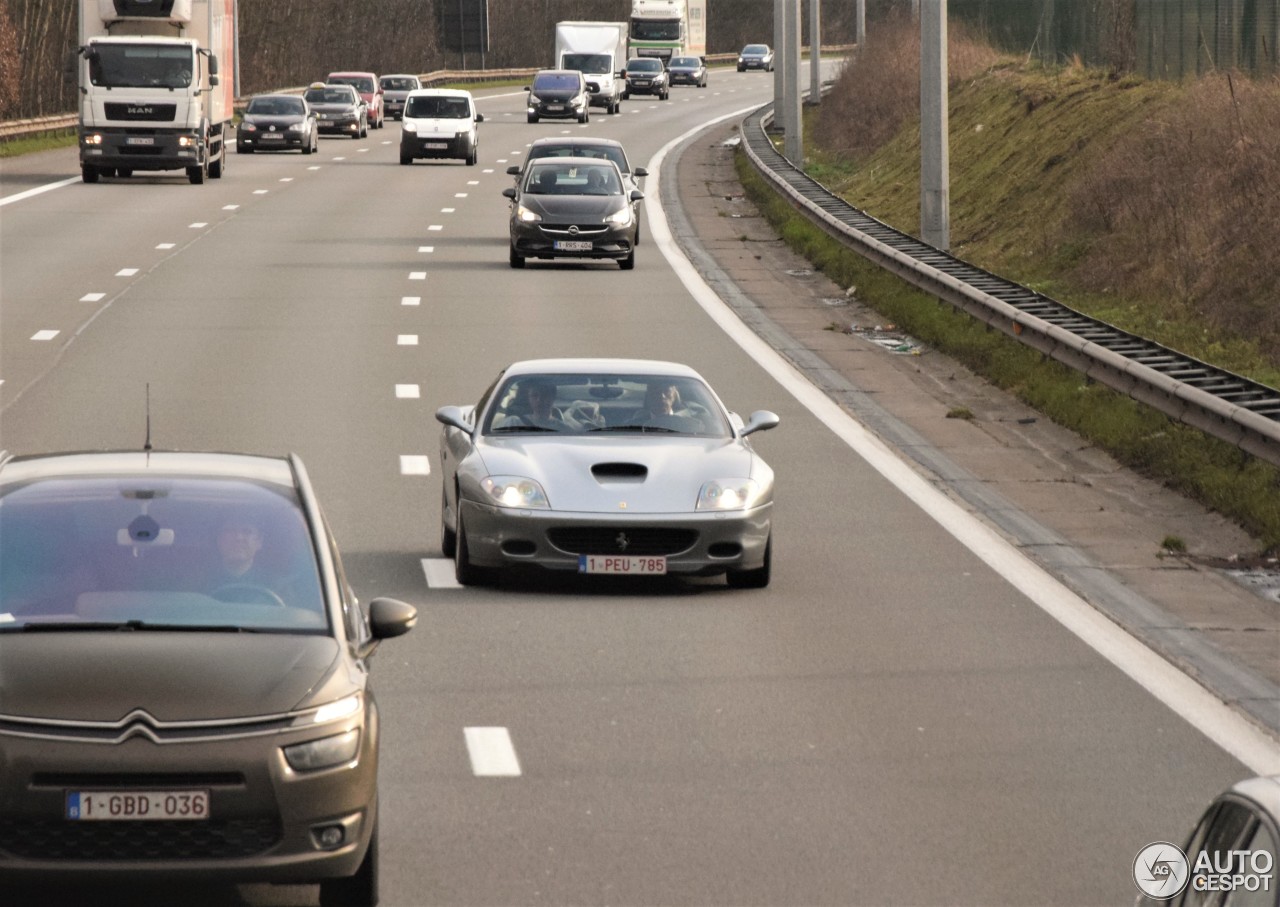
[692,543]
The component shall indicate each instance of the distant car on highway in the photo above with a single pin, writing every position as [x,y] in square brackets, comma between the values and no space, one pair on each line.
[584,146]
[185,676]
[277,122]
[1237,840]
[440,123]
[395,88]
[573,207]
[687,71]
[559,94]
[339,109]
[366,83]
[755,56]
[616,467]
[646,75]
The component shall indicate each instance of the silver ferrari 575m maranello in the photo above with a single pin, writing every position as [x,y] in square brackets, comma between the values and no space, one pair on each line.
[605,466]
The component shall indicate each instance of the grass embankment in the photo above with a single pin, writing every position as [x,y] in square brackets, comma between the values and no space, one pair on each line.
[44,142]
[1065,182]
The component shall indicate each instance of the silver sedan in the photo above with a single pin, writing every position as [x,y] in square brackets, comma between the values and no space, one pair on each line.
[605,466]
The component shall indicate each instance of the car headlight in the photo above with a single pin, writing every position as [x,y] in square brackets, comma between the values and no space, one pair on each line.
[534,99]
[728,494]
[296,127]
[323,753]
[248,127]
[410,127]
[515,491]
[620,218]
[525,216]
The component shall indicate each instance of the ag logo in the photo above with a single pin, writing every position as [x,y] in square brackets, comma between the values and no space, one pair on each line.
[1160,870]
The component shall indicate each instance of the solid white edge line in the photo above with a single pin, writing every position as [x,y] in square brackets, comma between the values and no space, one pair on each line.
[492,753]
[1207,713]
[38,190]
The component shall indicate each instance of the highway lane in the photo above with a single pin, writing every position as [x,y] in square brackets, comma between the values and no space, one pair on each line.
[890,721]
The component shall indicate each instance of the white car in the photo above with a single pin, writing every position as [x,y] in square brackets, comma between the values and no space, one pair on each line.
[440,123]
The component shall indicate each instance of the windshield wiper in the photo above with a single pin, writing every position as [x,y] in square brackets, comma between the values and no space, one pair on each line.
[640,428]
[123,625]
[522,428]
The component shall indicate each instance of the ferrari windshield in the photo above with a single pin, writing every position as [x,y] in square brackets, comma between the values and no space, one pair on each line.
[606,403]
[144,552]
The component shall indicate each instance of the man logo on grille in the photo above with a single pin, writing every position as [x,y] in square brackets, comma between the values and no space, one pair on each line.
[622,541]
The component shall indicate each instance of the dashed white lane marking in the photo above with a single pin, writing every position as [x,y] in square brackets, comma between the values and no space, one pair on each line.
[439,573]
[492,753]
[44,335]
[473,182]
[230,207]
[407,340]
[315,167]
[414,465]
[411,300]
[501,160]
[408,391]
[198,225]
[93,297]
[165,246]
[490,170]
[447,210]
[426,249]
[461,194]
[286,179]
[261,191]
[417,275]
[126,272]
[436,227]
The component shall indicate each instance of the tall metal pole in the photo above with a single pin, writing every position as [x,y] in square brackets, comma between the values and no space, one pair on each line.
[815,51]
[793,123]
[935,180]
[779,59]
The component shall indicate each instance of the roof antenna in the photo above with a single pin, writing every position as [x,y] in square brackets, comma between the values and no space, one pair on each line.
[147,446]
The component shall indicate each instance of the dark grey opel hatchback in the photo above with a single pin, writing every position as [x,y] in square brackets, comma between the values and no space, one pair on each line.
[184,686]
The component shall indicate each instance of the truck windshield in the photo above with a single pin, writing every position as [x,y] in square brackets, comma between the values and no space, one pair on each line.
[594,64]
[662,30]
[140,66]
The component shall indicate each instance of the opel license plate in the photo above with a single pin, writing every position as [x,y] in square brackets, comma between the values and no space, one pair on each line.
[137,805]
[622,564]
[572,245]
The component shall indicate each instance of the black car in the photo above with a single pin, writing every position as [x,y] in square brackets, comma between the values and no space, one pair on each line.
[687,71]
[185,677]
[755,56]
[275,122]
[339,109]
[646,75]
[584,146]
[573,207]
[559,94]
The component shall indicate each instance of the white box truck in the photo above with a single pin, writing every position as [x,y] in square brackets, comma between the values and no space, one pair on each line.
[599,51]
[157,86]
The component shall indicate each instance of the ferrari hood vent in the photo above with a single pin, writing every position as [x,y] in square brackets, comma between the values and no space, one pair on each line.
[620,472]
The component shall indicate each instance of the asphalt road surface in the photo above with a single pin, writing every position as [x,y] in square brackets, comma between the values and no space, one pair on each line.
[901,717]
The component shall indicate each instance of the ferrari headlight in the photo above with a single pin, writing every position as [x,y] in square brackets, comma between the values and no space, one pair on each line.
[515,491]
[620,218]
[525,216]
[728,494]
[323,753]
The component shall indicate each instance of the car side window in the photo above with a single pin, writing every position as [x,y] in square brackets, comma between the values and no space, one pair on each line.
[1261,841]
[1219,833]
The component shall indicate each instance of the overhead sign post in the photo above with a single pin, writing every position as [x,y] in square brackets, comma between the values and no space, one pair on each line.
[935,180]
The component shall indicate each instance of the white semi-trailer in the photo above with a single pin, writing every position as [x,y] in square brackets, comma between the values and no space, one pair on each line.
[151,93]
[668,28]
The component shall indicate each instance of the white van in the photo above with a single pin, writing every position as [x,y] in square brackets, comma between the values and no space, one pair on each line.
[440,122]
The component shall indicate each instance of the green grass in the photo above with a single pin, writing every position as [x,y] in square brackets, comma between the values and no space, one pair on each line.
[43,142]
[1215,473]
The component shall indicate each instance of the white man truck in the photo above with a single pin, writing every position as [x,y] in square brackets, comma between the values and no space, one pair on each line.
[151,94]
[599,51]
[668,28]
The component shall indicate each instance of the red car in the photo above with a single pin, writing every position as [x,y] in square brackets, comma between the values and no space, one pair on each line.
[367,84]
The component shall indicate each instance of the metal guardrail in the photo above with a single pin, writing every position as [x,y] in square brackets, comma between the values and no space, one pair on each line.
[12,129]
[1220,403]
